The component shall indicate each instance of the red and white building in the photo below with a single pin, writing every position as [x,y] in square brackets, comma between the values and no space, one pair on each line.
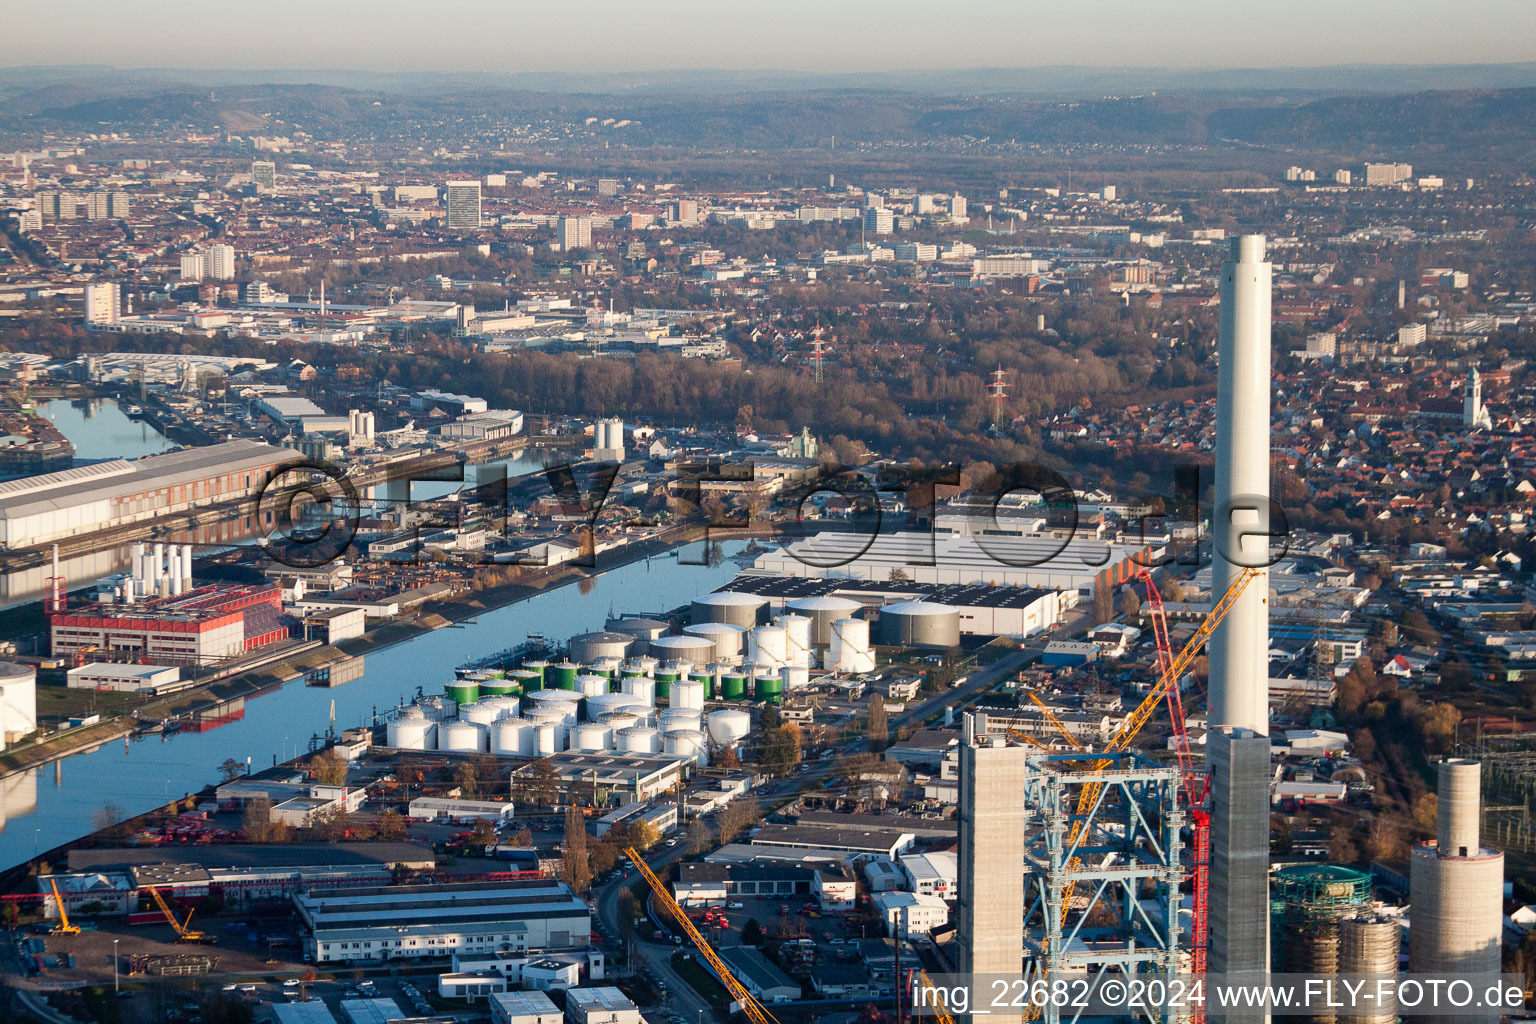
[205,625]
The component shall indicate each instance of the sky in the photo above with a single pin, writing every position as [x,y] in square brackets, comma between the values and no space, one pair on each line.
[809,35]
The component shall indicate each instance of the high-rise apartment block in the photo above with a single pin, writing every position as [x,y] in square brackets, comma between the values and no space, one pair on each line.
[216,263]
[1387,174]
[101,303]
[463,205]
[573,233]
[264,174]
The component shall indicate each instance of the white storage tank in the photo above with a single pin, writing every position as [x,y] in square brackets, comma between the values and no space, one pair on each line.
[545,740]
[688,693]
[673,719]
[823,612]
[696,649]
[512,737]
[640,690]
[728,726]
[639,627]
[438,709]
[744,610]
[555,719]
[506,707]
[480,713]
[798,638]
[591,737]
[919,624]
[603,703]
[411,731]
[795,677]
[850,651]
[617,720]
[18,700]
[685,744]
[591,686]
[729,641]
[461,736]
[639,739]
[768,647]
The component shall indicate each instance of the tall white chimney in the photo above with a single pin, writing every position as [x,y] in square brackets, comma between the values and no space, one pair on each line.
[186,566]
[157,566]
[1239,665]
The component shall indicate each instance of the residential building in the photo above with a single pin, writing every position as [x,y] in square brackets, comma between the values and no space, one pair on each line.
[572,233]
[463,205]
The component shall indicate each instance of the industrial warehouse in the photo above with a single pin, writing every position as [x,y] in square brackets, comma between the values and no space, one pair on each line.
[89,499]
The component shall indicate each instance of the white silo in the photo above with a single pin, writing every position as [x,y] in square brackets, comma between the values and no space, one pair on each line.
[591,686]
[512,737]
[545,739]
[688,693]
[411,731]
[823,612]
[604,703]
[622,719]
[795,677]
[797,629]
[696,649]
[686,744]
[673,719]
[480,713]
[728,726]
[461,736]
[438,709]
[728,640]
[638,739]
[555,719]
[768,647]
[850,647]
[591,737]
[640,690]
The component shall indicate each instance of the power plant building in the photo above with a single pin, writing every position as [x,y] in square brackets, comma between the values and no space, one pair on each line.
[199,627]
[989,925]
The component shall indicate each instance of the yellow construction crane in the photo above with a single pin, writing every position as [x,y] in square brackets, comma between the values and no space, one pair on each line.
[1138,718]
[940,1011]
[184,933]
[63,927]
[754,1010]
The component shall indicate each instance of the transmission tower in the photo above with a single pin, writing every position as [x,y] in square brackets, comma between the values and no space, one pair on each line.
[998,389]
[818,347]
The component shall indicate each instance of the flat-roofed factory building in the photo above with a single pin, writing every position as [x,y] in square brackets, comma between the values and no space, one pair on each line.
[404,921]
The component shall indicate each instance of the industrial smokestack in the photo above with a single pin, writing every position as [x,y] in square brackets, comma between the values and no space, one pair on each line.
[186,566]
[1239,665]
[1237,746]
[157,565]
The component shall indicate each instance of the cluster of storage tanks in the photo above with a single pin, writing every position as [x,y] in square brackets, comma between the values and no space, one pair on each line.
[607,694]
[545,708]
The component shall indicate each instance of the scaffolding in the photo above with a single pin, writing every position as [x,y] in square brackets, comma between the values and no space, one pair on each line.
[1090,876]
[1308,904]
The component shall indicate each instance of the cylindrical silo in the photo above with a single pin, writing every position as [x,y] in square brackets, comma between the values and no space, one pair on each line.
[438,709]
[606,702]
[641,690]
[605,667]
[733,686]
[728,726]
[411,731]
[479,713]
[499,686]
[562,676]
[768,647]
[639,739]
[823,611]
[850,651]
[539,666]
[797,630]
[588,647]
[688,693]
[591,737]
[744,610]
[546,740]
[699,650]
[794,677]
[512,737]
[727,640]
[590,685]
[673,719]
[461,736]
[527,679]
[664,678]
[685,744]
[642,629]
[769,687]
[462,691]
[618,720]
[1308,902]
[505,707]
[919,624]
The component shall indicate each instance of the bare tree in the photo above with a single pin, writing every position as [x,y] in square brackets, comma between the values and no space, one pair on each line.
[575,868]
[879,725]
[736,816]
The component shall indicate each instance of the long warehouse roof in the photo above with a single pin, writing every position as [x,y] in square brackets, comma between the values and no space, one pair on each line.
[120,478]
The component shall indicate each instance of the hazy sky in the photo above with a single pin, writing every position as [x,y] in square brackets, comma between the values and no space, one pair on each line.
[819,35]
